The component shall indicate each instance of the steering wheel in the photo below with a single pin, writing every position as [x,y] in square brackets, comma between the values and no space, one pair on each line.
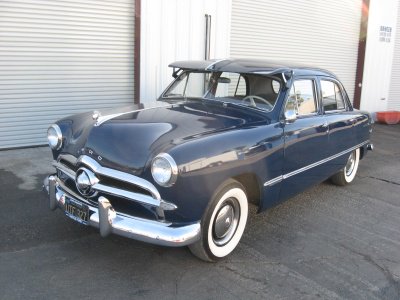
[251,98]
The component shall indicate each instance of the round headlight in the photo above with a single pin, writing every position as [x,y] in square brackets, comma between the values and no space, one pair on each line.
[164,169]
[54,137]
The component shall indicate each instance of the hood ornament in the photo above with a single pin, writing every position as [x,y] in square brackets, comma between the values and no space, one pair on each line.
[96,115]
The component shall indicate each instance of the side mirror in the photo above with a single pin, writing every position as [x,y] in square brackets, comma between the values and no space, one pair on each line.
[290,116]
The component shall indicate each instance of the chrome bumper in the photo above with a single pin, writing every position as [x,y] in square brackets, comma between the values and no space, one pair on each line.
[110,221]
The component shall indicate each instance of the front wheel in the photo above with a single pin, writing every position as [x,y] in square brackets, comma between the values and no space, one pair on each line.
[223,223]
[347,174]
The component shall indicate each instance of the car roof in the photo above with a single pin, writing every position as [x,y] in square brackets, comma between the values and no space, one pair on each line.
[247,65]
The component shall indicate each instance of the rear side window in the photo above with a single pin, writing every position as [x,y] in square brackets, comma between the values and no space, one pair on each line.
[332,98]
[302,97]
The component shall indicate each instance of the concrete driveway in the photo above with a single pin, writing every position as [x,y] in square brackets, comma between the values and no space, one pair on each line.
[328,242]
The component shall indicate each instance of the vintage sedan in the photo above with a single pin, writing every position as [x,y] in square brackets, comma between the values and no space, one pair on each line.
[226,133]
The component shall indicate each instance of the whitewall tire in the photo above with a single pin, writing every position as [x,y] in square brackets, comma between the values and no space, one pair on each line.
[223,222]
[347,174]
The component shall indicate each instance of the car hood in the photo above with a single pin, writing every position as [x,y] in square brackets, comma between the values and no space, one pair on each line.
[128,140]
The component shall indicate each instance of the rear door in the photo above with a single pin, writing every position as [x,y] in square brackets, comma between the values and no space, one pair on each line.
[306,139]
[338,115]
[348,128]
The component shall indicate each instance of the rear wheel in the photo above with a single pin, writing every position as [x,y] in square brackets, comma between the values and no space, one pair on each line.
[223,223]
[347,174]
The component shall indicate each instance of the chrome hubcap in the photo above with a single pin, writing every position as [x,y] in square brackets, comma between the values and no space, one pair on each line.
[225,222]
[350,164]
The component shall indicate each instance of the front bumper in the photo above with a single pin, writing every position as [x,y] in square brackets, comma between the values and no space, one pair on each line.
[110,221]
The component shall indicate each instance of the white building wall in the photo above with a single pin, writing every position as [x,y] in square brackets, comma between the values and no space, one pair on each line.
[378,55]
[174,30]
[394,90]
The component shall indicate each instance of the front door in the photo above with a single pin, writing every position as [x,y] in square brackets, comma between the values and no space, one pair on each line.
[306,139]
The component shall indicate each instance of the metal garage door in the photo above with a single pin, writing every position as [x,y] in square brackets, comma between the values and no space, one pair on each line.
[394,92]
[320,33]
[58,58]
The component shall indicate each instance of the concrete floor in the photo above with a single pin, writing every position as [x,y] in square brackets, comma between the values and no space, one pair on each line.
[328,242]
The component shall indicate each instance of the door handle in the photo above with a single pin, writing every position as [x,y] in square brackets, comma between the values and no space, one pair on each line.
[325,125]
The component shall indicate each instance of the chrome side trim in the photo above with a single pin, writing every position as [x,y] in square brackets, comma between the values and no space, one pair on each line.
[323,161]
[274,181]
[295,172]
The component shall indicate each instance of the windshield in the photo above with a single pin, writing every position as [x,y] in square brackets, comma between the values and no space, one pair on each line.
[252,90]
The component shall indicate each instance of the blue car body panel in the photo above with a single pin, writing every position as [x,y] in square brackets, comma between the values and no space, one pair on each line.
[213,141]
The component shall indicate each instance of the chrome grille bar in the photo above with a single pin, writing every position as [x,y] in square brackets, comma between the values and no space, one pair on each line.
[154,200]
[126,194]
[71,192]
[129,178]
[67,171]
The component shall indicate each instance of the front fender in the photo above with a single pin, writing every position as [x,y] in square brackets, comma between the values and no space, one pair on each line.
[207,162]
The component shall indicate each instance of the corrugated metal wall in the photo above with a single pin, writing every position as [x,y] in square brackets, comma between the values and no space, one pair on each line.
[394,91]
[320,33]
[58,58]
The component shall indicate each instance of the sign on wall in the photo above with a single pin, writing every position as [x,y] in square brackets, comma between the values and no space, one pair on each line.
[385,34]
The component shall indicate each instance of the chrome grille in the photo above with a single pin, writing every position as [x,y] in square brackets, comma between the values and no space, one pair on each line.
[114,182]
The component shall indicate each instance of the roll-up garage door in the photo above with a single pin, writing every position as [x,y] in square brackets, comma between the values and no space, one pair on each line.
[318,33]
[59,58]
[394,91]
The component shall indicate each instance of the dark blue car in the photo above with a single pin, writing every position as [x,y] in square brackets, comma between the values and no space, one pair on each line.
[226,133]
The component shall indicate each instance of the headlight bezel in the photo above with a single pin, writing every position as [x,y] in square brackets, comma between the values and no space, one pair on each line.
[57,136]
[172,166]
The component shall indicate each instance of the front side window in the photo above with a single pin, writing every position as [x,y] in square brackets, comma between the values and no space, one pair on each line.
[253,90]
[245,89]
[231,85]
[332,98]
[302,97]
